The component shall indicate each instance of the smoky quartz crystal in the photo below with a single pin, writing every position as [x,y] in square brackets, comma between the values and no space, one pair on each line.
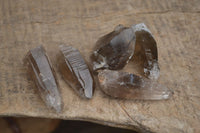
[76,72]
[114,50]
[126,85]
[44,76]
[148,48]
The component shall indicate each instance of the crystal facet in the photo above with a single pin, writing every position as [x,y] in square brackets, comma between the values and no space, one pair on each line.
[129,86]
[145,40]
[76,72]
[44,77]
[114,50]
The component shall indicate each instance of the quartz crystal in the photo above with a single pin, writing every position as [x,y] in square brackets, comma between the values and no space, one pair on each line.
[114,50]
[148,46]
[76,72]
[44,77]
[129,86]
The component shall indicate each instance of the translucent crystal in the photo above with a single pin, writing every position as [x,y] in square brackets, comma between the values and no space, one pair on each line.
[148,48]
[76,72]
[114,50]
[43,74]
[129,86]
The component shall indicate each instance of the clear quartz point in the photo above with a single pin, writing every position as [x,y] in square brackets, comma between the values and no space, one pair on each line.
[76,72]
[129,86]
[43,74]
[114,50]
[148,47]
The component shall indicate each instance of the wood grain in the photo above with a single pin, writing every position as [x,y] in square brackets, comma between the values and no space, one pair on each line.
[175,24]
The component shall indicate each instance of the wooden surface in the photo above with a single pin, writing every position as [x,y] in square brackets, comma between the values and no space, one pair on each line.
[25,24]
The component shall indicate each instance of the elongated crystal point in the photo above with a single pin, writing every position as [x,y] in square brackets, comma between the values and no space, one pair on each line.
[148,46]
[129,86]
[114,50]
[76,72]
[44,77]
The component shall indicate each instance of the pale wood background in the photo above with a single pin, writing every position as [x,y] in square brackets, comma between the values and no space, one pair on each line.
[25,24]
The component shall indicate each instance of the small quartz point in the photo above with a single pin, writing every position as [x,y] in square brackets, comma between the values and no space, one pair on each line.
[129,86]
[44,77]
[114,50]
[76,72]
[148,45]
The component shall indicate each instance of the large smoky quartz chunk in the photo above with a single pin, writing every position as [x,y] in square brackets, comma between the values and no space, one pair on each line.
[114,50]
[75,71]
[43,74]
[148,49]
[129,86]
